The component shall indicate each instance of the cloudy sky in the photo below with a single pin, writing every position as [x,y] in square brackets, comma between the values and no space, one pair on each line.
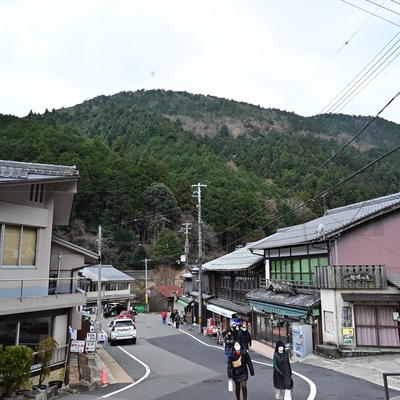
[302,56]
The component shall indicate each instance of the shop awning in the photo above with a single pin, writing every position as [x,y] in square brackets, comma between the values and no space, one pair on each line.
[182,303]
[278,309]
[221,311]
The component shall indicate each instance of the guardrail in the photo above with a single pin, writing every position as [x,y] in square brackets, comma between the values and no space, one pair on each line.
[385,384]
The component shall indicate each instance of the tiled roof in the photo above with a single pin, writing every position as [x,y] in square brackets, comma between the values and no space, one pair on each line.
[14,171]
[333,222]
[230,305]
[108,273]
[239,259]
[394,279]
[167,290]
[286,299]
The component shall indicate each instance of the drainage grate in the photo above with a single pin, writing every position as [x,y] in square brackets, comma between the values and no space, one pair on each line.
[212,380]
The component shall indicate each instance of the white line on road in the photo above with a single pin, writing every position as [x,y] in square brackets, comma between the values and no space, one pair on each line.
[313,388]
[134,383]
[311,396]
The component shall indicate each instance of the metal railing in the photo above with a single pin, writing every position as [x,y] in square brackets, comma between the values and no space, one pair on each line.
[385,383]
[58,358]
[53,287]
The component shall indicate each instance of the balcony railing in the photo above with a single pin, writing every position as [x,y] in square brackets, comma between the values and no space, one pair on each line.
[29,287]
[351,277]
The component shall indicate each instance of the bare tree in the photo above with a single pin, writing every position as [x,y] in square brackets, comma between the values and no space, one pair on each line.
[164,275]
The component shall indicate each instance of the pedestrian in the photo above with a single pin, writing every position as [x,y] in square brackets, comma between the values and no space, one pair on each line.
[282,375]
[164,317]
[239,363]
[177,320]
[244,337]
[228,340]
[172,317]
[235,331]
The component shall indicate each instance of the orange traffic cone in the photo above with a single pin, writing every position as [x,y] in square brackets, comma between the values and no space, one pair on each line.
[104,379]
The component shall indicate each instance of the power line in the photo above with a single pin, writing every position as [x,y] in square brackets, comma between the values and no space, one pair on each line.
[337,52]
[316,170]
[375,15]
[326,191]
[381,6]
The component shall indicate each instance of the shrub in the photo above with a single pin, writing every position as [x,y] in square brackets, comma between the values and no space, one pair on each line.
[15,367]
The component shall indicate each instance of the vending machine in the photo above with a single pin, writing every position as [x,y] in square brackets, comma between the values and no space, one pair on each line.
[302,339]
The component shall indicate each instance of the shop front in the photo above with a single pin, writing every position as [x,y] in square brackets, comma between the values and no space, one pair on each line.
[187,303]
[274,320]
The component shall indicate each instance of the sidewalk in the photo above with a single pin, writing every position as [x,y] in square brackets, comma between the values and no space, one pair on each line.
[115,373]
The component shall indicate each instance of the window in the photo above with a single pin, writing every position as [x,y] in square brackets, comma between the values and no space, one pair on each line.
[92,287]
[31,331]
[299,271]
[225,282]
[18,246]
[243,283]
[376,326]
[116,286]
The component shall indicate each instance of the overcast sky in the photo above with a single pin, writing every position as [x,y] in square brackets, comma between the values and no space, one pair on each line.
[290,55]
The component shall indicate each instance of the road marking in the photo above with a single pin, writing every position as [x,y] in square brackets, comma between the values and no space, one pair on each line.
[311,396]
[134,383]
[313,388]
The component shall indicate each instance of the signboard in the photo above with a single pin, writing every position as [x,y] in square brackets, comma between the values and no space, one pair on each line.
[348,335]
[346,317]
[140,309]
[77,346]
[101,338]
[90,342]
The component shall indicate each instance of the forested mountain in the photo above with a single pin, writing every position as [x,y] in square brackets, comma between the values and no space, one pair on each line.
[139,153]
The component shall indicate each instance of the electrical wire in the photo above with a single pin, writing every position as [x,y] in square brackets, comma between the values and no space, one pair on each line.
[391,22]
[323,193]
[337,52]
[332,107]
[385,8]
[317,169]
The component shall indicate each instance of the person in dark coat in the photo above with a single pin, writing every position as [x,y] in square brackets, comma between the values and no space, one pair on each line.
[177,319]
[228,341]
[235,331]
[282,375]
[244,337]
[239,363]
[172,316]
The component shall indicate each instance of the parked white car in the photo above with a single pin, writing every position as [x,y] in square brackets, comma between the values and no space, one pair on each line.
[121,329]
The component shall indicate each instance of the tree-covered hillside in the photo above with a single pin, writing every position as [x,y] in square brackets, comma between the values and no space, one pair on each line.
[138,160]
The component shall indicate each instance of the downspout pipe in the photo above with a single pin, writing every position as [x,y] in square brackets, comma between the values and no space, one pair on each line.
[336,242]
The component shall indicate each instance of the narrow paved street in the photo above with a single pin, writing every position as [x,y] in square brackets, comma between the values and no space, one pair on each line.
[167,363]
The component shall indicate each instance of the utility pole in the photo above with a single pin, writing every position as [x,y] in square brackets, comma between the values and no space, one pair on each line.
[145,281]
[185,230]
[200,245]
[99,309]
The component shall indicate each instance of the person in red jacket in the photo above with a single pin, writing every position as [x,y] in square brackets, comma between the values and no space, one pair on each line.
[239,363]
[164,317]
